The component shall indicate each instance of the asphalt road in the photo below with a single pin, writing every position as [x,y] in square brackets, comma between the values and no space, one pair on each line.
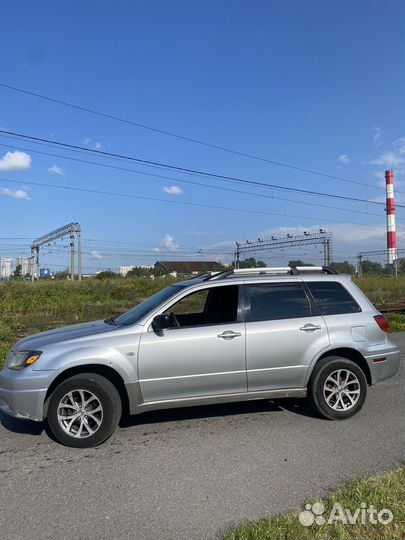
[190,473]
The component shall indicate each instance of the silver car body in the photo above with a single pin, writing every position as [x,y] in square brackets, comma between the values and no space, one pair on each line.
[202,364]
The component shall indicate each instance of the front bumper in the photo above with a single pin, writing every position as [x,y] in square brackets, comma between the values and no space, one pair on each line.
[22,393]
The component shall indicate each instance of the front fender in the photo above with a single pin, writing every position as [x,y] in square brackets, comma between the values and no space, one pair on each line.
[61,360]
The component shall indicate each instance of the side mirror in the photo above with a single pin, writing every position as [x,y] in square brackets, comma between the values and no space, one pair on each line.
[161,322]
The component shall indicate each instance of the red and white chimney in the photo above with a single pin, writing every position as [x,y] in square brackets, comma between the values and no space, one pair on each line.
[390,209]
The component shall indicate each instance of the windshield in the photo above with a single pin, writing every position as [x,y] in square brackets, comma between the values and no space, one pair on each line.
[142,309]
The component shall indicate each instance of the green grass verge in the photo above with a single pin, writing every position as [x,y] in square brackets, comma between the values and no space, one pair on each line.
[382,290]
[381,491]
[397,321]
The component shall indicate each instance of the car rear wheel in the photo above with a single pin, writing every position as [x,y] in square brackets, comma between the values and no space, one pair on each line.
[84,410]
[337,388]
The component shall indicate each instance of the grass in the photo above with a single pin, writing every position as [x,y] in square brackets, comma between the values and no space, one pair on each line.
[397,321]
[382,290]
[27,308]
[381,491]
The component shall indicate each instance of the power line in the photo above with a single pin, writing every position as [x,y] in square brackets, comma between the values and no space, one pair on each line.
[189,139]
[192,171]
[156,199]
[191,182]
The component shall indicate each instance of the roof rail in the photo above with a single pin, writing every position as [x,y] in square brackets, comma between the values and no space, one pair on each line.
[325,269]
[292,270]
[219,275]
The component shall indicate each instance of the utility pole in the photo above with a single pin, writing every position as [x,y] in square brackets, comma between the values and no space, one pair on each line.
[359,268]
[72,252]
[32,266]
[237,254]
[79,252]
[38,265]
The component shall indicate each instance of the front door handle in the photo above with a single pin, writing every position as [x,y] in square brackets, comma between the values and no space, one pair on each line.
[310,327]
[229,334]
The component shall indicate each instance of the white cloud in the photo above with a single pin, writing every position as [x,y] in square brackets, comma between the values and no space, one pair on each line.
[96,255]
[377,134]
[393,157]
[388,159]
[172,190]
[55,169]
[15,161]
[344,158]
[380,175]
[96,144]
[15,193]
[168,243]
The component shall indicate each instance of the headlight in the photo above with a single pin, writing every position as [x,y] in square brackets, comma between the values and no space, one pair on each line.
[21,359]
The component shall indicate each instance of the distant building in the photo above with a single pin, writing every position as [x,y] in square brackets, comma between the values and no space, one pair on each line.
[27,265]
[123,270]
[6,267]
[188,267]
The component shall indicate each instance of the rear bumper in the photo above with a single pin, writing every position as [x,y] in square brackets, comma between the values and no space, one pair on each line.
[22,393]
[383,361]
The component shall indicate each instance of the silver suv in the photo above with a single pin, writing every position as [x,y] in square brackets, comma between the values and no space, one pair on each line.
[237,335]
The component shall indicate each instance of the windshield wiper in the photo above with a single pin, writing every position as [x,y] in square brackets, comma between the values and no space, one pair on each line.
[111,321]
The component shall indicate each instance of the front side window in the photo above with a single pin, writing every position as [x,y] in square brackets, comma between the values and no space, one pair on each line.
[215,305]
[142,309]
[332,298]
[272,301]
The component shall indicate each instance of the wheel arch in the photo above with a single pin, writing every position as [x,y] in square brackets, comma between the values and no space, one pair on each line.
[350,354]
[108,372]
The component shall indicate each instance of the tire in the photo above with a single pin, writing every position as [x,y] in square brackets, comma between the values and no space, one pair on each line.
[94,402]
[328,394]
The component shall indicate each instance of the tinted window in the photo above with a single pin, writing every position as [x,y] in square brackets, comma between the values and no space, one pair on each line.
[332,298]
[271,301]
[215,305]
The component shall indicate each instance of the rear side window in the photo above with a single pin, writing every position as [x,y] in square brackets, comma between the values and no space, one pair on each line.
[332,298]
[272,301]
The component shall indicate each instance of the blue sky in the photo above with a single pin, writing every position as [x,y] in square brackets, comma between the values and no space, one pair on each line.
[315,84]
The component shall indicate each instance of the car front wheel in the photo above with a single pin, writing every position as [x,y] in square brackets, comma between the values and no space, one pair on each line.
[337,388]
[84,410]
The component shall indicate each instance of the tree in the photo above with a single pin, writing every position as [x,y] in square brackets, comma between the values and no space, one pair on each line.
[18,271]
[296,262]
[343,267]
[250,262]
[139,271]
[371,267]
[106,274]
[64,274]
[401,266]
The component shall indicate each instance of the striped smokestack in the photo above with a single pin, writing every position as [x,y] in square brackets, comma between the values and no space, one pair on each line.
[391,230]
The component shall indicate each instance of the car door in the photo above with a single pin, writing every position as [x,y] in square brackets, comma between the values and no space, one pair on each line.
[202,354]
[284,332]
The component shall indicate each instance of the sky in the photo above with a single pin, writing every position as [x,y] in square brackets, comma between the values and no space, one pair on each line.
[317,85]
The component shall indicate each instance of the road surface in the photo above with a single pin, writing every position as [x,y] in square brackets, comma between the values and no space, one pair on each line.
[190,473]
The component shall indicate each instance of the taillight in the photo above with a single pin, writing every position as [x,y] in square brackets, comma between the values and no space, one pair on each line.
[382,322]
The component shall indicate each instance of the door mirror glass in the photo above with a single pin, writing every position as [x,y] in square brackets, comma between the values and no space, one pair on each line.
[161,322]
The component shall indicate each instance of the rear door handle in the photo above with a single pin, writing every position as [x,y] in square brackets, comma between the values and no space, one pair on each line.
[229,334]
[310,327]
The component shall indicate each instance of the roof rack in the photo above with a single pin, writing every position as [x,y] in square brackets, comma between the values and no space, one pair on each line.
[292,270]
